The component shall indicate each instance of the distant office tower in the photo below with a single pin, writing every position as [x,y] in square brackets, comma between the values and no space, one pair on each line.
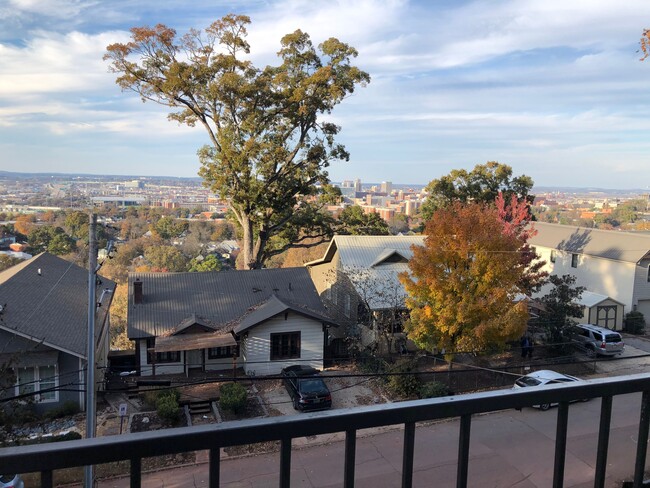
[357,185]
[347,184]
[412,207]
[386,187]
[400,195]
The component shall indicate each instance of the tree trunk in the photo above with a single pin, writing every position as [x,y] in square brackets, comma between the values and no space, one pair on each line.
[248,243]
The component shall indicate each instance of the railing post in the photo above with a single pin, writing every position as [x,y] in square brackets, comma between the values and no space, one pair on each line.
[560,444]
[136,472]
[350,458]
[463,451]
[215,462]
[285,462]
[407,457]
[603,441]
[642,440]
[46,479]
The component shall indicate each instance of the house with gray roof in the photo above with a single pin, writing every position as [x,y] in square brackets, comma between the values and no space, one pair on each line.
[357,278]
[43,330]
[613,266]
[260,320]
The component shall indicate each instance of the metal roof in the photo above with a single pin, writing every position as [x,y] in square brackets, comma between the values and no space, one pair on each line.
[45,300]
[590,299]
[607,244]
[369,260]
[222,297]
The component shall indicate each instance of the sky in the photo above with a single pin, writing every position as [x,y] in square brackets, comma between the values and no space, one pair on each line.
[553,88]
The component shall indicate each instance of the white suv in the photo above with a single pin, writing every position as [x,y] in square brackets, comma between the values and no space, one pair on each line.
[598,340]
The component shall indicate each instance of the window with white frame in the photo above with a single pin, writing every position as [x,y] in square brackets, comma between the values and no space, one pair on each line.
[40,382]
[574,260]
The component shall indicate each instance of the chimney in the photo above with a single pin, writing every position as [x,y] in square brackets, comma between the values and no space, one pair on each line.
[137,291]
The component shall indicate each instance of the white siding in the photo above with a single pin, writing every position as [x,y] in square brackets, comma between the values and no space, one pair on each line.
[256,348]
[146,369]
[615,279]
[591,314]
[219,364]
[642,290]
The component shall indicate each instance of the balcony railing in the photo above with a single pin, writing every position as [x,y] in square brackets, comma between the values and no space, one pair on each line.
[46,458]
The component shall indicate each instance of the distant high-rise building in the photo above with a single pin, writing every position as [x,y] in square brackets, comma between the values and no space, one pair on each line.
[347,184]
[412,207]
[386,187]
[357,185]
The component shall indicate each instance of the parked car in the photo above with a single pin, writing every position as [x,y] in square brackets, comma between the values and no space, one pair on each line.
[306,388]
[11,481]
[598,340]
[541,378]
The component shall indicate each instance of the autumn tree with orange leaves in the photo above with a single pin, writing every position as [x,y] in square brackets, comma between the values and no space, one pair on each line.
[464,283]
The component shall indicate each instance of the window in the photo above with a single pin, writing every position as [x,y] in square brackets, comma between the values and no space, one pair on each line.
[346,305]
[161,357]
[47,377]
[35,380]
[223,352]
[553,256]
[648,273]
[574,260]
[285,346]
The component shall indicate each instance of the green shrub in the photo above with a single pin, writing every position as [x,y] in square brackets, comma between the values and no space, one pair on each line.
[434,389]
[167,406]
[405,382]
[149,398]
[233,397]
[65,410]
[635,322]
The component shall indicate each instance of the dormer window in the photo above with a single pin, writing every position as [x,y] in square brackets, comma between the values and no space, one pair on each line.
[574,260]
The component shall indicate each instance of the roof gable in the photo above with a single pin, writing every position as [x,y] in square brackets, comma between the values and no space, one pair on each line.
[272,307]
[220,298]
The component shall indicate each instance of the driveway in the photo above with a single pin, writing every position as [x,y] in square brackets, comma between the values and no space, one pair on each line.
[634,359]
[346,392]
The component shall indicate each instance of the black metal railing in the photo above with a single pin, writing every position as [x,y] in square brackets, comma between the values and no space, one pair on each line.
[46,458]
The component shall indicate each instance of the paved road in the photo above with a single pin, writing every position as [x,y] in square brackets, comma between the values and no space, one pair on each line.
[508,449]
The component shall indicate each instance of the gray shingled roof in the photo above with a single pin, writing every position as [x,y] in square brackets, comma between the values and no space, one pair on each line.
[608,244]
[51,307]
[222,297]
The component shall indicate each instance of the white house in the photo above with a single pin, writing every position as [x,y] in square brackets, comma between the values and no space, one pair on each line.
[358,273]
[614,267]
[260,320]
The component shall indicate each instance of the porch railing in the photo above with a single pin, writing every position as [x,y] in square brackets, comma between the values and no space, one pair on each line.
[46,458]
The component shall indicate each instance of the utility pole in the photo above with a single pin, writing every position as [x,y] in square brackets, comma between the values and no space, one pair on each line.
[90,353]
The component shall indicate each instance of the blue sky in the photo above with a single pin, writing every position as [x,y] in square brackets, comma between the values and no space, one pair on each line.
[554,89]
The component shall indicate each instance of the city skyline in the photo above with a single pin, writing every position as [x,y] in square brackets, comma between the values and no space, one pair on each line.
[553,89]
